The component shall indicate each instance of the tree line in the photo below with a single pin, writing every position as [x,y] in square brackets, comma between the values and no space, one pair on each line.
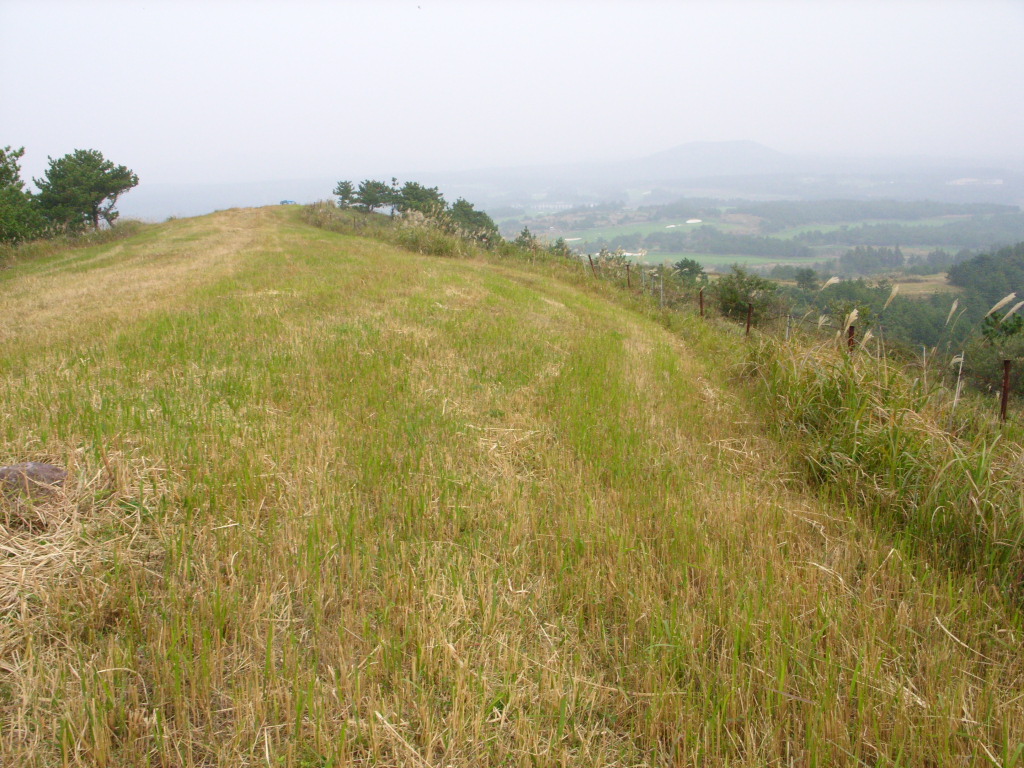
[869,240]
[77,192]
[705,239]
[783,214]
[959,233]
[371,195]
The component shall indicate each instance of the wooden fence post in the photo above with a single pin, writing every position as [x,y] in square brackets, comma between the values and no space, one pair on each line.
[592,268]
[750,315]
[629,283]
[851,337]
[700,296]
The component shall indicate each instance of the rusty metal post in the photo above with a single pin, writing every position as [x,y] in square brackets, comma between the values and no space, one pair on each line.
[592,268]
[1006,390]
[700,296]
[851,337]
[750,315]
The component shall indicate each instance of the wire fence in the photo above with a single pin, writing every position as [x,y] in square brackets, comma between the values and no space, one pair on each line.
[663,286]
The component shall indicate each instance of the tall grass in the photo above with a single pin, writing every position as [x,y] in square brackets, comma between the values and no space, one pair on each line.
[863,425]
[413,231]
[34,249]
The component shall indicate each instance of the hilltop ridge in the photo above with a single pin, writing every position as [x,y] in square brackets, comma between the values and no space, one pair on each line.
[334,502]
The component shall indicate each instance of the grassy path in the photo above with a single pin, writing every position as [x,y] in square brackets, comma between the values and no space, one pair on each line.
[337,504]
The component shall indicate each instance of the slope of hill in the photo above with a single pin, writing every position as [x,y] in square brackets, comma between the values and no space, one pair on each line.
[336,503]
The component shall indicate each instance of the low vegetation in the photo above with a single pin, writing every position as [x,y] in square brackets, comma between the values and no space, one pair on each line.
[32,250]
[946,481]
[340,502]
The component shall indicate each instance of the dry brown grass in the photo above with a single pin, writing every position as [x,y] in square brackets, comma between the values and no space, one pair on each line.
[360,507]
[127,279]
[920,286]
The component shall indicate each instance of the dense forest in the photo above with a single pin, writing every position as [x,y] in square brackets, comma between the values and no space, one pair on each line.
[958,233]
[705,239]
[991,276]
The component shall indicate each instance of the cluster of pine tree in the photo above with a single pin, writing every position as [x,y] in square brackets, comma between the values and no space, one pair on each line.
[372,195]
[77,192]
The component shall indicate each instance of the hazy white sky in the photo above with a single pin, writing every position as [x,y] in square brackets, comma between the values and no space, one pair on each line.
[225,91]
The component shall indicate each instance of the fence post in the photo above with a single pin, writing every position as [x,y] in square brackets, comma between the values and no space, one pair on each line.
[789,322]
[750,315]
[1006,390]
[701,297]
[629,283]
[851,337]
[592,268]
[661,298]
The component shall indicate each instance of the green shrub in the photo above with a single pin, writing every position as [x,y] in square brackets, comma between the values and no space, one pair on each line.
[739,289]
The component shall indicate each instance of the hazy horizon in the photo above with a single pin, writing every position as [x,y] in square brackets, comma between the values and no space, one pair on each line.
[222,92]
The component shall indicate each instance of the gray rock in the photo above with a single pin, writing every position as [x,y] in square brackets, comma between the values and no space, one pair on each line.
[32,477]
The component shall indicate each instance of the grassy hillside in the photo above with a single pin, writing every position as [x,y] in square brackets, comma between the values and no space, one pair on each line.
[335,503]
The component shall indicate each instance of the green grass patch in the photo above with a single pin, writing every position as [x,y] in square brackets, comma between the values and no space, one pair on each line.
[336,502]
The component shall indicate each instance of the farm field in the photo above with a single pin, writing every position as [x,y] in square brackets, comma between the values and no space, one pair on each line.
[588,240]
[646,228]
[643,228]
[925,285]
[934,221]
[720,262]
[336,503]
[914,286]
[749,233]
